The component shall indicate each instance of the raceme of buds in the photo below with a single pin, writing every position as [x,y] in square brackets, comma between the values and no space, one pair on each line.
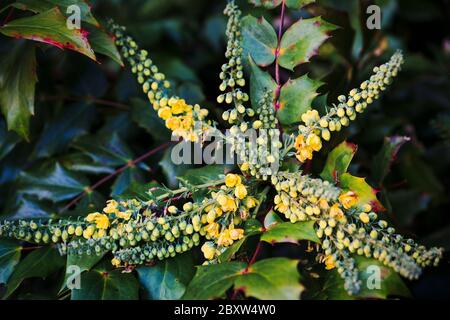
[316,128]
[348,228]
[183,119]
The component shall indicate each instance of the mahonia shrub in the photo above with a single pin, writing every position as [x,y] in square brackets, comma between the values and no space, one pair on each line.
[268,195]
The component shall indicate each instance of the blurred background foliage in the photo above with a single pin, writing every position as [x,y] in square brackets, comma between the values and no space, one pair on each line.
[91,118]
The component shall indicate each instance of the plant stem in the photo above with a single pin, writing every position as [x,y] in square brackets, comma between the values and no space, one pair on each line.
[115,173]
[277,55]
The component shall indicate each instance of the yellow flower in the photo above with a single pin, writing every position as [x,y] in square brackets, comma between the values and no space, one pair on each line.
[111,207]
[173,123]
[364,217]
[250,202]
[336,212]
[115,262]
[208,250]
[329,263]
[180,106]
[124,215]
[310,116]
[232,180]
[230,205]
[281,207]
[212,229]
[102,221]
[236,234]
[348,199]
[91,217]
[313,141]
[222,199]
[304,152]
[240,192]
[165,113]
[225,238]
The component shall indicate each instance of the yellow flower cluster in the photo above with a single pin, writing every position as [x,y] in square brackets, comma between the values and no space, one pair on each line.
[101,222]
[316,128]
[227,208]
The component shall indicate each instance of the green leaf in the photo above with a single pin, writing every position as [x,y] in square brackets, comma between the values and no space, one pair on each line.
[364,192]
[84,262]
[83,163]
[172,171]
[272,279]
[102,42]
[49,27]
[302,41]
[388,153]
[17,87]
[270,4]
[124,180]
[39,6]
[259,40]
[260,83]
[212,281]
[230,252]
[107,285]
[10,252]
[8,140]
[39,263]
[290,232]
[338,161]
[296,97]
[56,184]
[167,280]
[271,219]
[204,175]
[143,114]
[298,4]
[391,283]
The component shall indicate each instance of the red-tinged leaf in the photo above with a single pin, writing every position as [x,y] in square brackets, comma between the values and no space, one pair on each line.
[288,232]
[50,27]
[364,192]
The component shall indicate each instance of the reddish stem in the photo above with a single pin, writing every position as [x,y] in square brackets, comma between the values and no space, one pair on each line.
[115,173]
[8,17]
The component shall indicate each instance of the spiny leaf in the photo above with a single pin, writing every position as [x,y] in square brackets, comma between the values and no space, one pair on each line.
[270,4]
[364,192]
[384,158]
[260,83]
[297,4]
[83,262]
[296,97]
[338,161]
[167,280]
[8,140]
[259,40]
[272,279]
[55,184]
[302,41]
[10,252]
[39,6]
[49,27]
[17,86]
[102,42]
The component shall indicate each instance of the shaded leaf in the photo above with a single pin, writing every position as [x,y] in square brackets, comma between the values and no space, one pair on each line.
[8,140]
[297,4]
[40,263]
[102,42]
[49,27]
[17,87]
[260,83]
[10,252]
[272,279]
[296,97]
[124,180]
[364,192]
[270,4]
[271,219]
[338,161]
[204,175]
[143,114]
[56,184]
[302,41]
[83,262]
[167,280]
[259,40]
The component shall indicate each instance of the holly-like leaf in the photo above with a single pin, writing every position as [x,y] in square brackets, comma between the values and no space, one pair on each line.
[290,232]
[100,284]
[39,263]
[259,40]
[271,279]
[102,42]
[229,253]
[167,280]
[144,115]
[56,184]
[271,219]
[38,6]
[10,252]
[260,83]
[8,140]
[384,158]
[296,97]
[364,192]
[124,180]
[17,86]
[270,4]
[79,263]
[50,27]
[204,175]
[172,170]
[83,163]
[338,161]
[302,41]
[377,281]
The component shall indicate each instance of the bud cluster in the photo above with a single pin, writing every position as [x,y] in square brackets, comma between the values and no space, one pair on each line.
[316,128]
